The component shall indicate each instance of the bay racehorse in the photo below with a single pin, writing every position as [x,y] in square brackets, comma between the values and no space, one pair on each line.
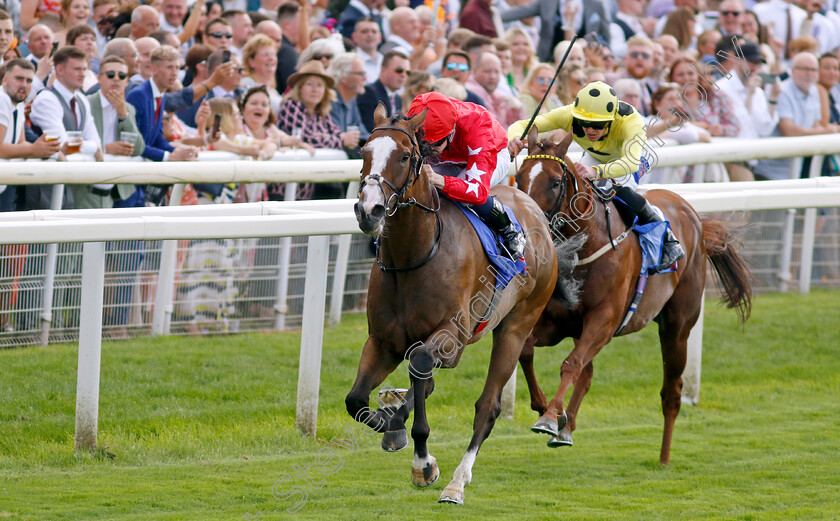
[431,289]
[598,283]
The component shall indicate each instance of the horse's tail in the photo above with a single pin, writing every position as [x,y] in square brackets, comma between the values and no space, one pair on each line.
[733,274]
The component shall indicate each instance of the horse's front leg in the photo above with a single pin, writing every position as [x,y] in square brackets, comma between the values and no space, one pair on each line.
[376,364]
[424,468]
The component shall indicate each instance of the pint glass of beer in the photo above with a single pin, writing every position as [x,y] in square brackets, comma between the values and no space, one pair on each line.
[74,142]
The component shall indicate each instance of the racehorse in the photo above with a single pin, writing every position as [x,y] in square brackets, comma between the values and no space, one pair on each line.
[600,282]
[429,292]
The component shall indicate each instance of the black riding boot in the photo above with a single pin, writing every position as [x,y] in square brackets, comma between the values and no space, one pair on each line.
[499,221]
[672,251]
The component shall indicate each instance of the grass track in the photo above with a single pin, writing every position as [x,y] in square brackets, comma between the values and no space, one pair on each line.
[200,429]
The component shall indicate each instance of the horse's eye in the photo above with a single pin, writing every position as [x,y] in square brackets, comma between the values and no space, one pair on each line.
[555,184]
[405,157]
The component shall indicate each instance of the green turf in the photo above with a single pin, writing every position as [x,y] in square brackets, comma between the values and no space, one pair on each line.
[200,429]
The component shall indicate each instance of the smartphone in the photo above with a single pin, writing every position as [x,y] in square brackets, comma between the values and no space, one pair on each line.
[225,56]
[217,123]
[54,48]
[767,79]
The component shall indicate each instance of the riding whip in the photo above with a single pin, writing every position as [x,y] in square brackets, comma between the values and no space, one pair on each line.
[551,84]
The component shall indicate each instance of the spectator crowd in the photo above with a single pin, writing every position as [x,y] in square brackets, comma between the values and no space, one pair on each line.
[171,78]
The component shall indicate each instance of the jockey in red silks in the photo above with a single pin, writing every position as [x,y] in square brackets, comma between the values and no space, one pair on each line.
[466,153]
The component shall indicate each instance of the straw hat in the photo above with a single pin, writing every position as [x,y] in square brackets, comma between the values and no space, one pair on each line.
[311,68]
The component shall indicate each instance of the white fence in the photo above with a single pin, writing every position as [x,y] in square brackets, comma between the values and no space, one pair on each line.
[312,219]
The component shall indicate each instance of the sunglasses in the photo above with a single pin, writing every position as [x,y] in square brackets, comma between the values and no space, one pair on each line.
[463,67]
[322,56]
[730,13]
[594,125]
[400,70]
[221,35]
[543,81]
[637,54]
[112,74]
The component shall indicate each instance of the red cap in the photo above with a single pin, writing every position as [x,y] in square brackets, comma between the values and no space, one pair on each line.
[440,120]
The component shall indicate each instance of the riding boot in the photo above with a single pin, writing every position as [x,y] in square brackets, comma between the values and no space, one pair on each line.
[498,220]
[672,251]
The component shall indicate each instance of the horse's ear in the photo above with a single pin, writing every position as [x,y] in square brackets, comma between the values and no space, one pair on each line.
[532,139]
[417,121]
[565,143]
[380,115]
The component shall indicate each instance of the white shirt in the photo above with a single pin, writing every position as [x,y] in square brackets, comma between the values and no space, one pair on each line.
[755,121]
[402,44]
[7,109]
[774,12]
[47,113]
[110,120]
[372,64]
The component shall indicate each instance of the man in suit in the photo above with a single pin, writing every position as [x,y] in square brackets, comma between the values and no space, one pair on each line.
[356,10]
[593,18]
[147,99]
[112,116]
[289,18]
[392,77]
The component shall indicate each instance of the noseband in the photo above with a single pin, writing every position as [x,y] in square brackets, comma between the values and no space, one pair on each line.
[395,201]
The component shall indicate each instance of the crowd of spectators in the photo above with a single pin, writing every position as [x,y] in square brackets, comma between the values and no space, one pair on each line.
[171,78]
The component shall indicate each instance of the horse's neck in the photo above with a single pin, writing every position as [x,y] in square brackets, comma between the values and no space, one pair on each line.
[410,233]
[593,224]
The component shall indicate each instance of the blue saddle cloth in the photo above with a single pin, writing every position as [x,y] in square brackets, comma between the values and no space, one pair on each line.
[506,268]
[651,240]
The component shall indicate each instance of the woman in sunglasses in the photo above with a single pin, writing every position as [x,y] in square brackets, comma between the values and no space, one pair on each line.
[535,86]
[612,135]
[465,154]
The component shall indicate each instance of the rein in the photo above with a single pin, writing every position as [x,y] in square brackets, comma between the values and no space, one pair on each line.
[395,202]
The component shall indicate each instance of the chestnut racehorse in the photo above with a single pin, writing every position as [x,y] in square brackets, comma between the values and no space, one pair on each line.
[592,313]
[430,290]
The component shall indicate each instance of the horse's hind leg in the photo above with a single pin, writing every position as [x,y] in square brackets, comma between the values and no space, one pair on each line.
[526,360]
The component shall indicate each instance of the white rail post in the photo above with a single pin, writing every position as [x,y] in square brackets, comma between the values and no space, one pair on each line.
[809,232]
[694,354]
[281,305]
[787,233]
[340,273]
[90,346]
[56,201]
[164,305]
[312,333]
[509,396]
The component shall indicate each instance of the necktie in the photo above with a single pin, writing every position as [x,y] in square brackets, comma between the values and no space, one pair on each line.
[14,125]
[73,110]
[393,99]
[157,108]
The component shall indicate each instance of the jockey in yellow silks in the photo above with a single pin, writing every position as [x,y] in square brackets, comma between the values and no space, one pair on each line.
[612,135]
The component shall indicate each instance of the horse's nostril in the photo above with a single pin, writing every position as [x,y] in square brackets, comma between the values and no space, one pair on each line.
[378,212]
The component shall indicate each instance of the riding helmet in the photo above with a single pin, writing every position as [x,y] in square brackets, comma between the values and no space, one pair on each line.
[441,117]
[596,101]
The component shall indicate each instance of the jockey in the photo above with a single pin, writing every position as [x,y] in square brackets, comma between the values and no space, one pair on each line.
[466,153]
[612,135]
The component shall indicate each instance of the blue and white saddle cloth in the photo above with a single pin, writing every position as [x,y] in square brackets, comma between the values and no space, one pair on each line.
[651,240]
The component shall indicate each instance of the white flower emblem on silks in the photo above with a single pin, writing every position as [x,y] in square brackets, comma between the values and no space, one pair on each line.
[473,152]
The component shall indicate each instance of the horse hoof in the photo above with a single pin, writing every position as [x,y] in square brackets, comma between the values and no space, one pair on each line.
[425,476]
[545,426]
[452,495]
[564,439]
[394,441]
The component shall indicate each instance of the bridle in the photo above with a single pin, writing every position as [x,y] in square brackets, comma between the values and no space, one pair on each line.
[395,202]
[556,207]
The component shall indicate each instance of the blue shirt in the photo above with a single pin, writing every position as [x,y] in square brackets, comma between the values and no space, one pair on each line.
[803,109]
